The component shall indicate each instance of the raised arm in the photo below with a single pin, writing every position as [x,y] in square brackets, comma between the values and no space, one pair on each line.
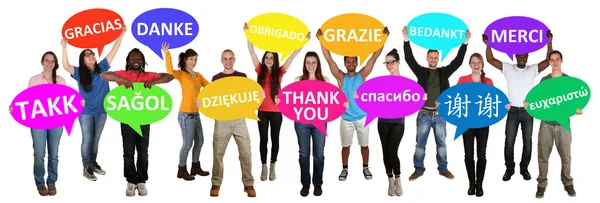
[335,71]
[65,58]
[168,60]
[409,57]
[460,57]
[366,71]
[546,62]
[113,52]
[489,56]
[255,60]
[288,61]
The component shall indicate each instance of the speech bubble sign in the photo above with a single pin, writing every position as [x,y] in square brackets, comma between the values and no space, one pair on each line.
[389,97]
[138,106]
[277,32]
[93,28]
[557,99]
[437,31]
[516,35]
[353,34]
[231,98]
[173,26]
[312,102]
[472,105]
[47,106]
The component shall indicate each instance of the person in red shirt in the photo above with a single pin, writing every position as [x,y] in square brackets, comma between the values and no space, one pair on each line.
[269,77]
[135,72]
[481,134]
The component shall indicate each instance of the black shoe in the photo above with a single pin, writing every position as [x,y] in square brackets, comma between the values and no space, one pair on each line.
[479,189]
[525,174]
[540,192]
[318,190]
[304,192]
[508,174]
[570,190]
[471,190]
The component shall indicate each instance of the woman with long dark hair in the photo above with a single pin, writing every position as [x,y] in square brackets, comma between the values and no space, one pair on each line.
[49,138]
[189,118]
[93,89]
[306,132]
[474,173]
[269,77]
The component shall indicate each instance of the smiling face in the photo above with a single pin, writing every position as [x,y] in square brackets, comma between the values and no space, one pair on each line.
[227,59]
[89,58]
[269,58]
[351,63]
[433,57]
[391,64]
[48,62]
[555,61]
[521,60]
[190,62]
[311,64]
[135,60]
[476,65]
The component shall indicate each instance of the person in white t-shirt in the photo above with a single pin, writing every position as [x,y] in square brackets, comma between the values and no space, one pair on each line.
[520,78]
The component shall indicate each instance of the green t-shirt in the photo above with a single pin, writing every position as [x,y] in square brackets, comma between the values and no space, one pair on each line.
[433,88]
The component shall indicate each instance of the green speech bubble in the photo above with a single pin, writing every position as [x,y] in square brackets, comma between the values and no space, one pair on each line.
[138,106]
[557,99]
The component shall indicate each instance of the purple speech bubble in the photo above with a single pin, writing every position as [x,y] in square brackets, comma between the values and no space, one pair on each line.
[390,97]
[517,35]
[47,106]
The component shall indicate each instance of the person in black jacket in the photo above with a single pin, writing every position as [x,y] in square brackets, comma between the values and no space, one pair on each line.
[434,81]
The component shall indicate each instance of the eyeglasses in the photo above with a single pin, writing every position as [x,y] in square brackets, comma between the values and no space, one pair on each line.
[390,62]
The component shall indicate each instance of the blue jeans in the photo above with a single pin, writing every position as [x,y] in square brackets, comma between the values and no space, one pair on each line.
[41,139]
[191,131]
[424,124]
[91,129]
[305,133]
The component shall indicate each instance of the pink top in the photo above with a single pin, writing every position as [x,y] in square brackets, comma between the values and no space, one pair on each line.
[39,79]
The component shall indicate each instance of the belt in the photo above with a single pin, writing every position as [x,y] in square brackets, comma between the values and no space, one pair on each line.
[430,112]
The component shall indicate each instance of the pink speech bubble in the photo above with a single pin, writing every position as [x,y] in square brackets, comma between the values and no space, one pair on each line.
[312,102]
[47,106]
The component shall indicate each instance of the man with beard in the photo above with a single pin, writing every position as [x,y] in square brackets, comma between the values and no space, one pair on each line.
[353,118]
[135,72]
[520,78]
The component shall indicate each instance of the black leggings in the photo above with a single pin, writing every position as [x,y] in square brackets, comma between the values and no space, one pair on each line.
[274,119]
[391,134]
[475,170]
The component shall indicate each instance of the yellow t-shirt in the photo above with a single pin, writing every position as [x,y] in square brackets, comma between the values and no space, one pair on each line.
[190,87]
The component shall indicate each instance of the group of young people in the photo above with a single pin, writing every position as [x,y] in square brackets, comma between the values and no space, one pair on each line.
[93,77]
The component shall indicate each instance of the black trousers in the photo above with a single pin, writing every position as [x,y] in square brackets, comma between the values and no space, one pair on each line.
[470,137]
[132,142]
[273,119]
[391,134]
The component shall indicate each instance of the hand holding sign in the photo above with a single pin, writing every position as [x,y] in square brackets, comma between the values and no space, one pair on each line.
[277,32]
[93,28]
[138,106]
[437,31]
[472,105]
[231,98]
[389,97]
[47,106]
[557,99]
[353,34]
[156,26]
[517,35]
[312,102]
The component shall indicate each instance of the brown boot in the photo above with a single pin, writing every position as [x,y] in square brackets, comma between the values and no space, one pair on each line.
[183,173]
[214,191]
[42,190]
[51,190]
[197,170]
[250,190]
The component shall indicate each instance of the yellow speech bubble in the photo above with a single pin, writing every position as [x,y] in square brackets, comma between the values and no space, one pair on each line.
[231,98]
[353,34]
[277,32]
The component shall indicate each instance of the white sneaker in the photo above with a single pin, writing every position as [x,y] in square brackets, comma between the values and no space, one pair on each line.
[130,192]
[391,186]
[142,190]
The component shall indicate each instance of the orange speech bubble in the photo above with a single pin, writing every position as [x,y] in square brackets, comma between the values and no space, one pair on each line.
[353,34]
[93,28]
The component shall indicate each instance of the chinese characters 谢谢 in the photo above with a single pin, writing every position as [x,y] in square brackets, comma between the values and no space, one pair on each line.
[459,105]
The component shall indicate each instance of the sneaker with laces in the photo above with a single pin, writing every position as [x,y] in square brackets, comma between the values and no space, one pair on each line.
[343,175]
[367,173]
[98,170]
[89,173]
[130,191]
[142,190]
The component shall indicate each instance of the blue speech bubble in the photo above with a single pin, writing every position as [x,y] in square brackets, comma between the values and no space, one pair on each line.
[437,31]
[169,25]
[472,105]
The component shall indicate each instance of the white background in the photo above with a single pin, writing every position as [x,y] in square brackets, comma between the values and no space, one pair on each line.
[31,28]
